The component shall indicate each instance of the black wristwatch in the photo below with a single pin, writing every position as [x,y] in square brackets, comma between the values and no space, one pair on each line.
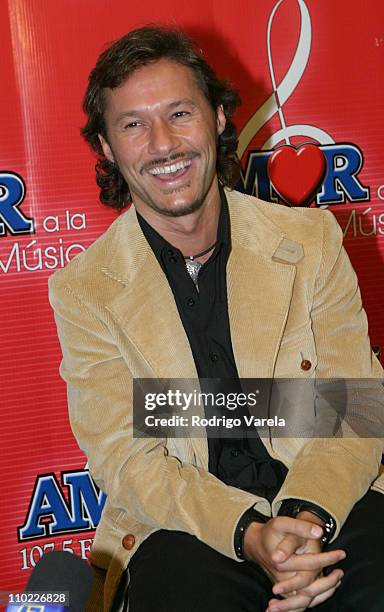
[247,518]
[292,507]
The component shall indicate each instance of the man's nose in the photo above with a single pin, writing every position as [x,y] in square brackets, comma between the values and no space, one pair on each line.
[163,139]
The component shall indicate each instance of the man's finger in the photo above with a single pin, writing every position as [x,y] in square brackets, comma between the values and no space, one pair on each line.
[302,529]
[324,596]
[296,603]
[297,582]
[310,561]
[319,591]
[289,545]
[323,584]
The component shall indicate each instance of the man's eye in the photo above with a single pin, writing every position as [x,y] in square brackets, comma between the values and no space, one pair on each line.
[178,114]
[132,124]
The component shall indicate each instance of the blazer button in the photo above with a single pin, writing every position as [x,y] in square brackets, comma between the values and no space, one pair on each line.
[128,541]
[305,365]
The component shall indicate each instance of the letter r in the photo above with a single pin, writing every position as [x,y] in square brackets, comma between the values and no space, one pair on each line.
[12,192]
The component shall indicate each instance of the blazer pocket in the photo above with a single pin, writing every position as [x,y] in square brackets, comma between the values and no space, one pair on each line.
[293,388]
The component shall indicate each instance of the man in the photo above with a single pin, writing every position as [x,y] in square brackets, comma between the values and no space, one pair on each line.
[198,281]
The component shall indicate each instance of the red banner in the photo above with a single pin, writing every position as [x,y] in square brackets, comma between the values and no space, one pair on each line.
[307,71]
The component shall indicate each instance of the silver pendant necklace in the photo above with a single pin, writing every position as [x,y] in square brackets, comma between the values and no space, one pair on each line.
[193,266]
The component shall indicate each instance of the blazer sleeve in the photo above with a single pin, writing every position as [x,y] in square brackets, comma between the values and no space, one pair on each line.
[138,475]
[335,473]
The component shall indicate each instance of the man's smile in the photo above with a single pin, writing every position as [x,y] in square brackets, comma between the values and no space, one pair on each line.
[171,171]
[168,171]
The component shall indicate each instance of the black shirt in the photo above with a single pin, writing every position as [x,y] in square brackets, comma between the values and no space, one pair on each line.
[243,463]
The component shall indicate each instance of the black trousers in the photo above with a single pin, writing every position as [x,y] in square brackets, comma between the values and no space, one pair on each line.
[174,572]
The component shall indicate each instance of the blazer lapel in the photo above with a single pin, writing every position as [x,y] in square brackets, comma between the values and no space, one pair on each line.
[259,288]
[146,309]
[147,313]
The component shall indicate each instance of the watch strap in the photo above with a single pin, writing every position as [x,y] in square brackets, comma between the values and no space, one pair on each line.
[292,507]
[246,519]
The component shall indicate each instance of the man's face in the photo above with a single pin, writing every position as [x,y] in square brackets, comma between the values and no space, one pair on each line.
[162,132]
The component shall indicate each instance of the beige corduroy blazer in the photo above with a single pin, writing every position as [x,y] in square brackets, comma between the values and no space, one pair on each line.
[292,295]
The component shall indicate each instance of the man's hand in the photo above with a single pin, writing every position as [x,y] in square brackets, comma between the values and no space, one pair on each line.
[320,588]
[289,551]
[299,595]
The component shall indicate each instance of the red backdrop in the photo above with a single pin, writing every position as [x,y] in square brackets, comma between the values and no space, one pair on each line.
[325,62]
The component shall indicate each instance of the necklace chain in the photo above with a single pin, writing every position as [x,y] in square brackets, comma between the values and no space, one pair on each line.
[192,257]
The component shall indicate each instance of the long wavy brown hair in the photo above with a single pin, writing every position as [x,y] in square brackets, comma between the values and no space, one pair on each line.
[117,63]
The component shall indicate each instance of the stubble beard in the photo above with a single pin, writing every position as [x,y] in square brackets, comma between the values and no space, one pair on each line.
[181,212]
[171,211]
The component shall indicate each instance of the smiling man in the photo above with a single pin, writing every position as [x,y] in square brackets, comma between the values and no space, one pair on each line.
[197,281]
[164,146]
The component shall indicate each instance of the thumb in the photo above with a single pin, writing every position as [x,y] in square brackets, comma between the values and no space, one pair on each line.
[287,547]
[298,527]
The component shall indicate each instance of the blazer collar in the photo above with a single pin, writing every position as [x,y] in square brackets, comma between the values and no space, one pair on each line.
[251,228]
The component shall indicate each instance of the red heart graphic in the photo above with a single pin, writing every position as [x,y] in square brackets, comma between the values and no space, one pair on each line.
[296,173]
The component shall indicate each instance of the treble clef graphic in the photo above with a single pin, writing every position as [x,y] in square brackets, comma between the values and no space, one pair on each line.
[281,93]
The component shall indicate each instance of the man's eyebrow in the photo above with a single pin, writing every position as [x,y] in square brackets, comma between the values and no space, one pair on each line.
[180,102]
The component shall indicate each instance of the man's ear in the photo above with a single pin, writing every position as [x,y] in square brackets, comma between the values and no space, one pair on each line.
[106,149]
[220,120]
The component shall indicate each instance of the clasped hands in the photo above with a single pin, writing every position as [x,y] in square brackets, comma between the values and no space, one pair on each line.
[290,552]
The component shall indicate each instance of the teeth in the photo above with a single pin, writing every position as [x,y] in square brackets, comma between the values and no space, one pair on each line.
[170,169]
